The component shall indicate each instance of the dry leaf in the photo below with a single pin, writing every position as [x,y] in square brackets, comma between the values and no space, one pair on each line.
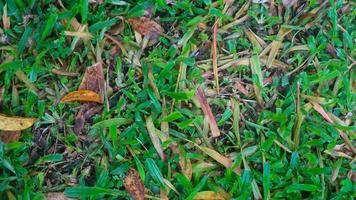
[133,185]
[15,123]
[146,27]
[9,136]
[215,132]
[208,195]
[82,95]
[56,196]
[93,80]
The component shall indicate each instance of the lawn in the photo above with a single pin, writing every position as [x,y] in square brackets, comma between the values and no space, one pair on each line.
[177,99]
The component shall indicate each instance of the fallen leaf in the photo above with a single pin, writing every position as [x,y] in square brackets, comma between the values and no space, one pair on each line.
[215,132]
[82,95]
[133,185]
[146,27]
[15,123]
[93,80]
[9,136]
[208,195]
[56,196]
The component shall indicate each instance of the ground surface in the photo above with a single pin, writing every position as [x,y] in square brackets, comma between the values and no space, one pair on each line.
[207,100]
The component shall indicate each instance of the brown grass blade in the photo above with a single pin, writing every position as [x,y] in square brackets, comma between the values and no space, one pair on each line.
[215,132]
[276,45]
[325,115]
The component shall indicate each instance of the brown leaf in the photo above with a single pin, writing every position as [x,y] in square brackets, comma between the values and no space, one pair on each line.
[215,132]
[93,79]
[15,123]
[9,136]
[146,27]
[56,196]
[133,185]
[82,95]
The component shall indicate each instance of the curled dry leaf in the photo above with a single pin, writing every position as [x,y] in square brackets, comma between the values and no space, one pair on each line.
[9,136]
[146,27]
[82,95]
[208,195]
[15,123]
[133,185]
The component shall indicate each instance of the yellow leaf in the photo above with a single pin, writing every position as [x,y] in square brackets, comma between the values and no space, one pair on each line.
[208,195]
[82,95]
[15,123]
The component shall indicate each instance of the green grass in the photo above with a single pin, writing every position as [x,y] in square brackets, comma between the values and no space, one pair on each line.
[274,141]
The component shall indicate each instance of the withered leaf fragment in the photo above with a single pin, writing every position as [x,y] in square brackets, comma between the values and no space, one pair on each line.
[133,185]
[15,123]
[9,136]
[93,80]
[146,27]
